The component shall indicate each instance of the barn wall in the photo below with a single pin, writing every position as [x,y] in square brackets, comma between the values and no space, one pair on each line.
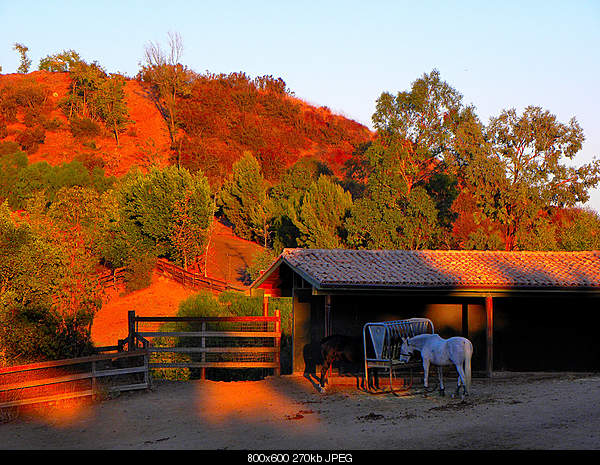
[546,334]
[301,305]
[350,313]
[530,334]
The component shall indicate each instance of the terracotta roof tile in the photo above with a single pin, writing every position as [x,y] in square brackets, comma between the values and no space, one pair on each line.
[446,269]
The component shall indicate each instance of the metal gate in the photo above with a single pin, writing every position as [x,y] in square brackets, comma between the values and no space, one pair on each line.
[211,342]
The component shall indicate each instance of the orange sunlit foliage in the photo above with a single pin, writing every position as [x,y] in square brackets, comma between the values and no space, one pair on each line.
[224,116]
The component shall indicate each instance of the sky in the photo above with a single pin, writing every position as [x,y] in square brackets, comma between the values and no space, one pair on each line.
[344,54]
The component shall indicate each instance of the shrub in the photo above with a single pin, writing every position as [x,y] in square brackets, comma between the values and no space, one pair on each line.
[84,128]
[30,139]
[35,333]
[138,273]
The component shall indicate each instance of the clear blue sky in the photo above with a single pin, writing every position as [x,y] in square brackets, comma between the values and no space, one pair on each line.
[343,54]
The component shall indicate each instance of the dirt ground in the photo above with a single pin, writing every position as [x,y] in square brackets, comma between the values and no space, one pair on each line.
[510,411]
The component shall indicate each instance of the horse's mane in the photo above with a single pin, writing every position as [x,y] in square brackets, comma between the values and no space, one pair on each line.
[419,339]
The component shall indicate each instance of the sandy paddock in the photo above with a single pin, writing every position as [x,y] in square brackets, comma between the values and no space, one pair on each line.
[511,411]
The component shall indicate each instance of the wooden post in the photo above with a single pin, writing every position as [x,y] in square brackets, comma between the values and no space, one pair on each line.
[328,330]
[327,315]
[265,305]
[278,343]
[489,312]
[465,320]
[131,328]
[93,380]
[203,369]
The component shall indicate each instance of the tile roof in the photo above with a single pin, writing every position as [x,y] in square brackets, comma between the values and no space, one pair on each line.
[326,268]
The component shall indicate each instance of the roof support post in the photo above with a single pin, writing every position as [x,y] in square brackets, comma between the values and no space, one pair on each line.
[465,320]
[327,315]
[489,331]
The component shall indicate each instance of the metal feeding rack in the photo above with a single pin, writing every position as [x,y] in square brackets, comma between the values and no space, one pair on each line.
[382,342]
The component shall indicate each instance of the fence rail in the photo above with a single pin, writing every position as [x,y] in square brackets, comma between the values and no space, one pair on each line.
[211,342]
[193,280]
[112,278]
[72,378]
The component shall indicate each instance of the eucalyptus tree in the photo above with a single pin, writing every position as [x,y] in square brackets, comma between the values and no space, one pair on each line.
[415,141]
[528,170]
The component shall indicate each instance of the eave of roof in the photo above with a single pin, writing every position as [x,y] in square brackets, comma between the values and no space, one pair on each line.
[444,271]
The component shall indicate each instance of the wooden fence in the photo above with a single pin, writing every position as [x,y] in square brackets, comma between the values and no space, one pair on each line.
[112,278]
[193,280]
[210,342]
[72,378]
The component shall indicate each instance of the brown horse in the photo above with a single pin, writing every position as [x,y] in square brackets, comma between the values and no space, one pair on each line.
[339,348]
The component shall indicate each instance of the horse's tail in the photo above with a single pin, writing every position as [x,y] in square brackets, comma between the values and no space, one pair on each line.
[468,354]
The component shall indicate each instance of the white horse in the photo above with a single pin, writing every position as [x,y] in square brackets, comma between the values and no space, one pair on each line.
[438,351]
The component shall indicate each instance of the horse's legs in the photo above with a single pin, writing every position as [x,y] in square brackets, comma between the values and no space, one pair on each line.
[326,364]
[425,373]
[441,380]
[461,379]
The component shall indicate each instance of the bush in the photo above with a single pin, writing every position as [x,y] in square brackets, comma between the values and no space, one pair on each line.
[138,273]
[35,333]
[85,128]
[30,139]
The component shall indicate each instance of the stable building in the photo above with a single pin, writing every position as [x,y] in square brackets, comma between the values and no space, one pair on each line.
[523,311]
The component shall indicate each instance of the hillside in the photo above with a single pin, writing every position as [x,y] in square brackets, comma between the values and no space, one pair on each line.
[221,118]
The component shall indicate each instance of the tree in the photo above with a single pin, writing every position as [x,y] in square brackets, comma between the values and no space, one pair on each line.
[48,296]
[287,199]
[408,172]
[244,201]
[416,127]
[581,231]
[110,105]
[25,61]
[86,79]
[153,207]
[322,213]
[526,172]
[170,80]
[60,62]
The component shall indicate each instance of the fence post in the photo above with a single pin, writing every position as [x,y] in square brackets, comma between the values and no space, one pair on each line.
[203,369]
[147,375]
[93,380]
[278,343]
[131,328]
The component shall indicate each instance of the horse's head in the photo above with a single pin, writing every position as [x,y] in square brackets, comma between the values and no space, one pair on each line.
[406,350]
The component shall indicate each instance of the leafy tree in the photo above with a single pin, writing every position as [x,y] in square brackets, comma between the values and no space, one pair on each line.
[46,308]
[287,198]
[60,62]
[25,61]
[321,217]
[244,201]
[170,81]
[110,104]
[416,127]
[408,170]
[525,171]
[86,80]
[148,203]
[260,262]
[580,231]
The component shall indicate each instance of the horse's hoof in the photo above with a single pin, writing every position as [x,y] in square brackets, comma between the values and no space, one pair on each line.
[322,390]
